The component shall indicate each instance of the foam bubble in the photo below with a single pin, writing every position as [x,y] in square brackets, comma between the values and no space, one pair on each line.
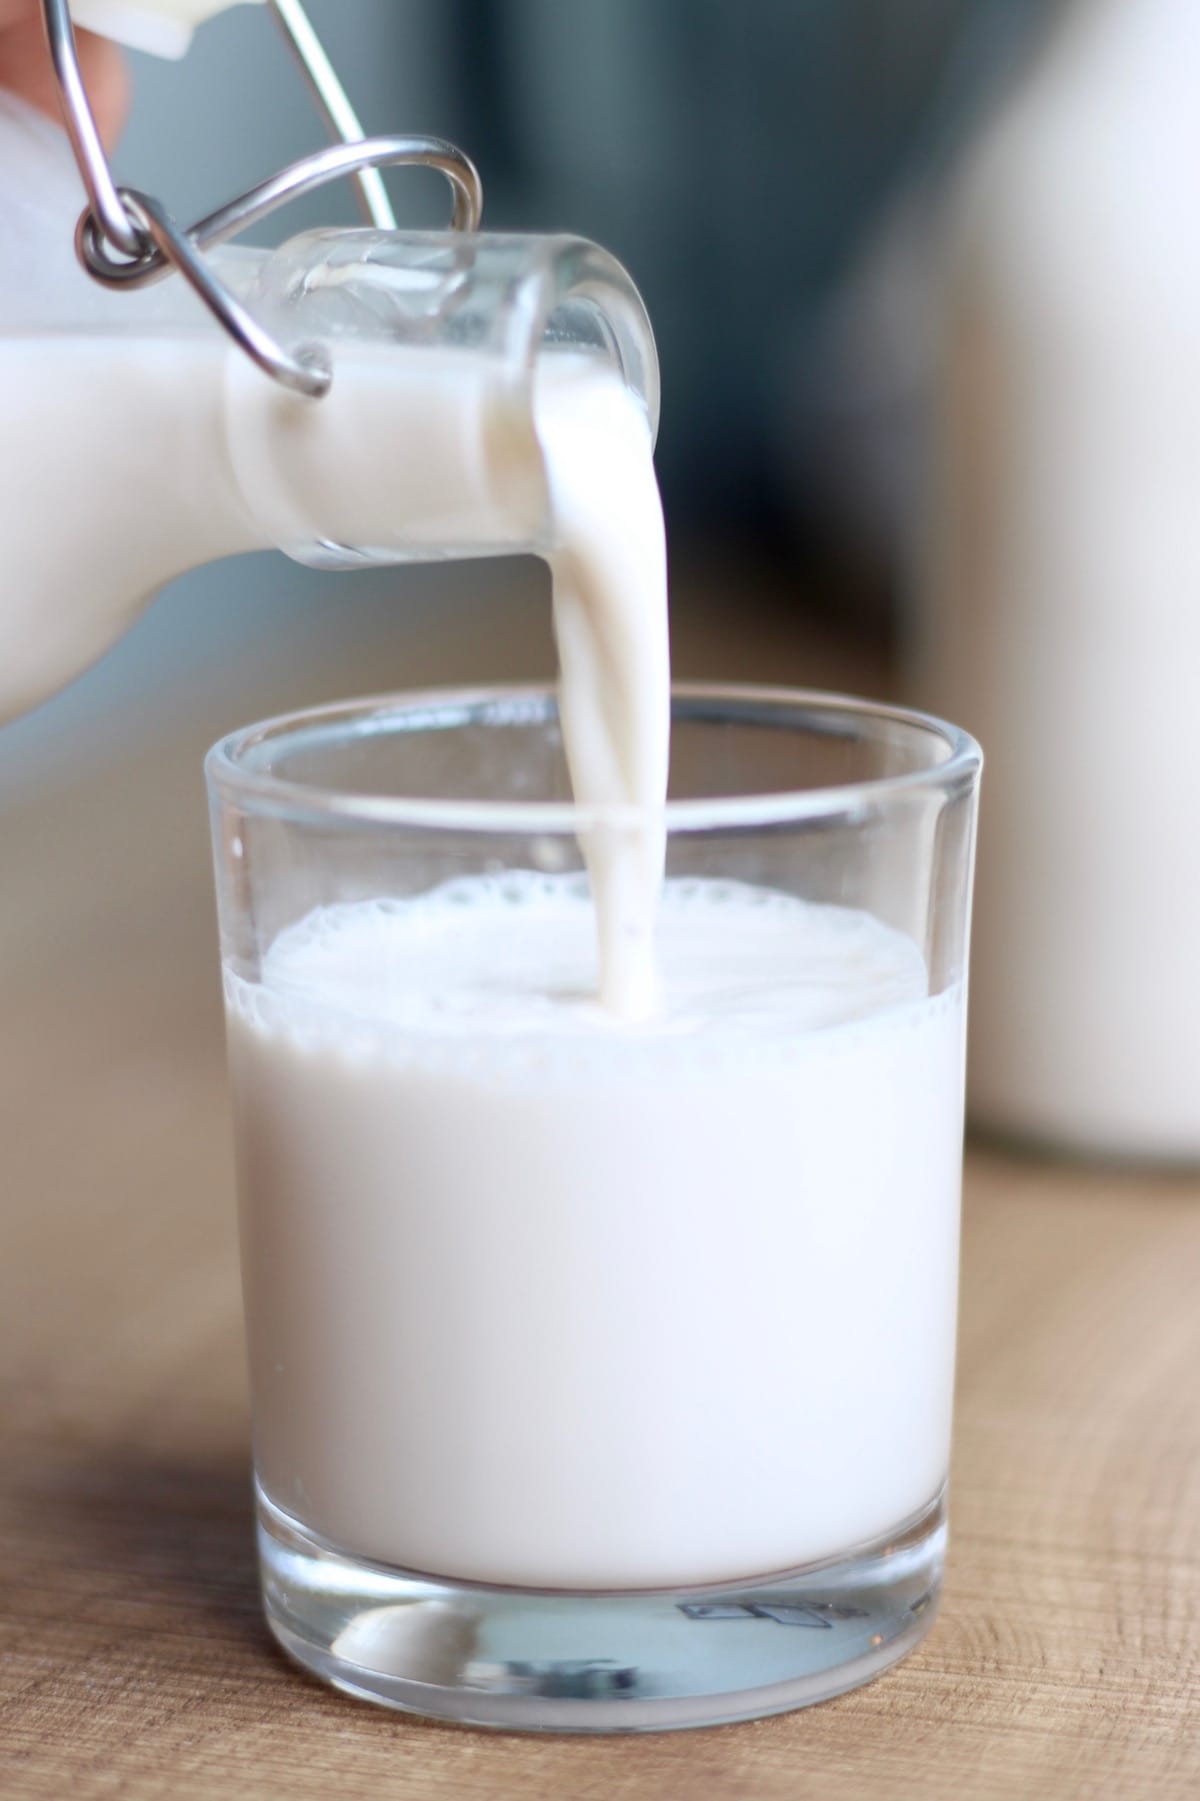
[486,969]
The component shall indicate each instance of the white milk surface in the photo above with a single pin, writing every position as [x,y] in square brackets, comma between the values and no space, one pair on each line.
[540,1296]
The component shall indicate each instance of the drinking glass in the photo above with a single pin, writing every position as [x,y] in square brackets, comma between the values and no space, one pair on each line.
[600,1389]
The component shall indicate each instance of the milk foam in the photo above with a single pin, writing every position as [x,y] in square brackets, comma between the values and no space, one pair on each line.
[504,965]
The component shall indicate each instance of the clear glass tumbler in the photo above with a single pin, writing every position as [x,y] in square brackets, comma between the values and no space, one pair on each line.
[601,1373]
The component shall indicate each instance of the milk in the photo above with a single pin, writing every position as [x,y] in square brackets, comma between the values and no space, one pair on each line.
[610,623]
[539,1296]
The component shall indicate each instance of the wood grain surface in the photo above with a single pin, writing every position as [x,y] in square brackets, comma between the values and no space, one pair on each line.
[1067,1659]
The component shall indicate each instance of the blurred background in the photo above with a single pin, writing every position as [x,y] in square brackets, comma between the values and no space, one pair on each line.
[927,299]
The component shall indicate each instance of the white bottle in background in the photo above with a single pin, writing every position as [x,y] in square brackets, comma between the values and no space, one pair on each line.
[1062,597]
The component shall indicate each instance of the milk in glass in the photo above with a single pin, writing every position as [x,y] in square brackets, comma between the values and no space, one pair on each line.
[537,1297]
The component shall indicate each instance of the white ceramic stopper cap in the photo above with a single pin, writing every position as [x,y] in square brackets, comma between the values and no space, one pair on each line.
[163,27]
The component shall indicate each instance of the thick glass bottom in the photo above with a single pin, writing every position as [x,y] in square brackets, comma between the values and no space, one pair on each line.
[636,1661]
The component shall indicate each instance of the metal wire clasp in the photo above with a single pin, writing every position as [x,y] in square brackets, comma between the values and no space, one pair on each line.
[126,238]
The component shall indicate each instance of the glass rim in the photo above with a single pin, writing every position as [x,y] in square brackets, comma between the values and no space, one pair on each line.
[229,774]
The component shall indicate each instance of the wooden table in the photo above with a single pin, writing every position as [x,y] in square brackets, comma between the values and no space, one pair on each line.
[1067,1659]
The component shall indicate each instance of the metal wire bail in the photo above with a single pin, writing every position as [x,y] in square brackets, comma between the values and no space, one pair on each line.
[127,238]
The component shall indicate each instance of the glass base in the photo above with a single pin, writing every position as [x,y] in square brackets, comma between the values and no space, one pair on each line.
[634,1661]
